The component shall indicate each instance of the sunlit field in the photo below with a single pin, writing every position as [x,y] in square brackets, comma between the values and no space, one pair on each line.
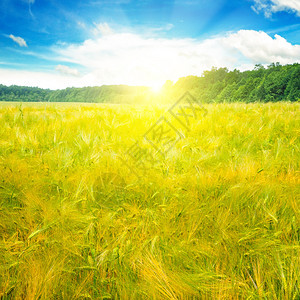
[217,217]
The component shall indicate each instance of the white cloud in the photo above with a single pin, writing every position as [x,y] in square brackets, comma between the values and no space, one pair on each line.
[65,70]
[167,27]
[128,58]
[51,80]
[272,6]
[133,59]
[102,28]
[259,47]
[30,3]
[20,41]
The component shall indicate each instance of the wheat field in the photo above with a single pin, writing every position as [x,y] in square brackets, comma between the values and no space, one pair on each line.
[217,217]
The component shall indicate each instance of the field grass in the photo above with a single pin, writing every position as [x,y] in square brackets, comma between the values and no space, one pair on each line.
[216,218]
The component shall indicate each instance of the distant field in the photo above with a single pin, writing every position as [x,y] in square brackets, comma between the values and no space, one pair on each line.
[216,217]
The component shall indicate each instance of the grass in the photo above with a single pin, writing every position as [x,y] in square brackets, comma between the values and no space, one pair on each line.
[217,218]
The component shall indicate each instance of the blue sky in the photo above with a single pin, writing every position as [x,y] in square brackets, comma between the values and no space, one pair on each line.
[57,44]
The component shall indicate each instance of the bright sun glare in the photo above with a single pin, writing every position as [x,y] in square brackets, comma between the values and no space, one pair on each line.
[156,88]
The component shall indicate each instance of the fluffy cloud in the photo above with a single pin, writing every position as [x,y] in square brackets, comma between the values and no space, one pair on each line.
[51,80]
[133,59]
[20,41]
[259,47]
[128,58]
[272,6]
[65,70]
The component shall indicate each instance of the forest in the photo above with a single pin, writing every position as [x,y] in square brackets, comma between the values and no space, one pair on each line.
[262,84]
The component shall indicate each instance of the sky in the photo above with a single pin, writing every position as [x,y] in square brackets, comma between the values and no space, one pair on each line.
[57,44]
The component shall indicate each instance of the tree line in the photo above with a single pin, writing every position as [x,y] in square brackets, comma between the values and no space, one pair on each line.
[274,83]
[262,84]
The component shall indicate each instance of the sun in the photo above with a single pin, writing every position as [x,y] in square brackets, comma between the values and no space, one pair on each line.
[156,89]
